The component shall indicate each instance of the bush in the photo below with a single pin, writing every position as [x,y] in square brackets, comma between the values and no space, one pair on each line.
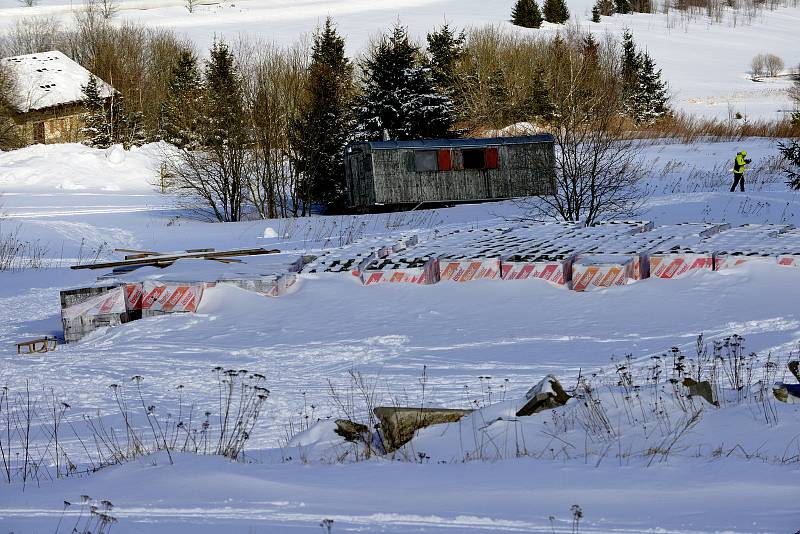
[773,64]
[757,66]
[765,65]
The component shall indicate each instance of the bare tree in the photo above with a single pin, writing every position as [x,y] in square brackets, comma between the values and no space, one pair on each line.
[106,8]
[773,64]
[9,131]
[597,169]
[273,90]
[794,94]
[757,66]
[28,3]
[191,5]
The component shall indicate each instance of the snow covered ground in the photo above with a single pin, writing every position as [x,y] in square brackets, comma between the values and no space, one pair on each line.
[477,343]
[706,62]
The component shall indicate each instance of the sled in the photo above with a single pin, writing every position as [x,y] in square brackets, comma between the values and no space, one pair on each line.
[41,344]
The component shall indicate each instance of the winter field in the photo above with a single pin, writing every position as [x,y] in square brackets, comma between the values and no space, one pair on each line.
[705,60]
[480,345]
[632,454]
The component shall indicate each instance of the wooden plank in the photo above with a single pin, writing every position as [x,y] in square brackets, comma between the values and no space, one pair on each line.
[169,259]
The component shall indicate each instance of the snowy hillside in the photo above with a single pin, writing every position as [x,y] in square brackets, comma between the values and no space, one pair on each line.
[706,62]
[454,345]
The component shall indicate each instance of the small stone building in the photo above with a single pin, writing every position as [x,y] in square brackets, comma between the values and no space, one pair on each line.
[48,103]
[393,173]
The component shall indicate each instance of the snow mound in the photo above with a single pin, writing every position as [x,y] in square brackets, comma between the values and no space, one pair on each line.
[269,233]
[43,169]
[116,155]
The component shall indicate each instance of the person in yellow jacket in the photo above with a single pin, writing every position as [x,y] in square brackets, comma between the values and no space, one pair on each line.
[739,166]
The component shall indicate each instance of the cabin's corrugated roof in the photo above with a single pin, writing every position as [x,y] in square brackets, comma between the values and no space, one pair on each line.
[47,80]
[458,143]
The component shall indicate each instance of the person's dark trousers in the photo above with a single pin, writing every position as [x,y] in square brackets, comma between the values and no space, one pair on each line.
[738,178]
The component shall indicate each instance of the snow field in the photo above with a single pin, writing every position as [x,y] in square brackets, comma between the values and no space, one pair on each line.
[462,333]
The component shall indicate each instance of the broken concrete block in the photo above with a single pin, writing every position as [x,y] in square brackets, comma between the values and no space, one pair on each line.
[788,393]
[545,395]
[271,285]
[701,389]
[352,432]
[161,298]
[794,368]
[86,309]
[399,425]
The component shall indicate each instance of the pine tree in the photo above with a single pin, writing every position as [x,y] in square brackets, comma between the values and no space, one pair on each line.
[790,151]
[445,49]
[605,8]
[180,108]
[556,11]
[623,7]
[96,129]
[223,113]
[392,86]
[131,129]
[536,17]
[526,13]
[326,120]
[520,14]
[500,97]
[630,71]
[591,48]
[429,114]
[542,107]
[596,12]
[650,98]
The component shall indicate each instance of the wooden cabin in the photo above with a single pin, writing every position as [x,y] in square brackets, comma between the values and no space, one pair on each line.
[388,173]
[48,97]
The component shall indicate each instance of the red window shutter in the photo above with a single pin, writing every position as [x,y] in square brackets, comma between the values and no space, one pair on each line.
[445,160]
[491,158]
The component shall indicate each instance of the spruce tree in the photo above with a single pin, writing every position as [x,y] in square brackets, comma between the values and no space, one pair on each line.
[536,17]
[596,12]
[790,151]
[591,48]
[324,126]
[131,128]
[223,110]
[96,130]
[392,86]
[520,13]
[605,8]
[429,114]
[500,111]
[623,7]
[445,49]
[526,13]
[179,110]
[556,11]
[650,98]
[630,71]
[542,107]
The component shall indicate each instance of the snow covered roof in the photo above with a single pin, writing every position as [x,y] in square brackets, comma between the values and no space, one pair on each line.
[460,143]
[47,80]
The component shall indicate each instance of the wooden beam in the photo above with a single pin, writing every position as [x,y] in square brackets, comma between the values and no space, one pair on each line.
[167,259]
